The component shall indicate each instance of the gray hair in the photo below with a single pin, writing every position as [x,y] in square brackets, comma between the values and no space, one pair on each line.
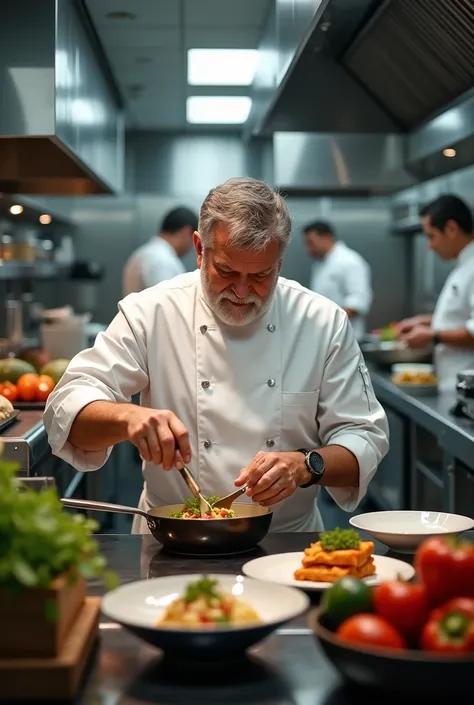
[250,210]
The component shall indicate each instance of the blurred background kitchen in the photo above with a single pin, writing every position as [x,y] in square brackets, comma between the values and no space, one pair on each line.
[113,112]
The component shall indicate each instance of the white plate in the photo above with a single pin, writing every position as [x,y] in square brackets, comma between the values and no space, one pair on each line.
[412,367]
[404,531]
[279,568]
[137,607]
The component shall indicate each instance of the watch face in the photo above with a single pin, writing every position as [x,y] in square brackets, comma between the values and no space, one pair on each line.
[316,462]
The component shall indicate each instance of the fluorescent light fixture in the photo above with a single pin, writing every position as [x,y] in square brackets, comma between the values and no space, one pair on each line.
[215,110]
[221,67]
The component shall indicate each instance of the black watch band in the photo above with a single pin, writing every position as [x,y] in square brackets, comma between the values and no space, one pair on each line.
[436,338]
[314,464]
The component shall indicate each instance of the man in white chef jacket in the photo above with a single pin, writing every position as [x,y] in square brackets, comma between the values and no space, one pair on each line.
[448,225]
[339,273]
[160,258]
[251,376]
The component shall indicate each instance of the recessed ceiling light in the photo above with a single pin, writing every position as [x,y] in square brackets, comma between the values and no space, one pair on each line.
[16,209]
[221,67]
[215,110]
[119,15]
[449,152]
[45,219]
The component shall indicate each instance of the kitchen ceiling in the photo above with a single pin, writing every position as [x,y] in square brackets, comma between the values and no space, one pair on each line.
[147,51]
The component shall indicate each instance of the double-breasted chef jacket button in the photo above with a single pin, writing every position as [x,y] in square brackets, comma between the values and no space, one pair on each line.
[270,442]
[207,443]
[271,382]
[205,384]
[271,327]
[203,329]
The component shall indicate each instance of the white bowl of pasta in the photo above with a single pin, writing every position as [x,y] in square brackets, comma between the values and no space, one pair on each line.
[203,617]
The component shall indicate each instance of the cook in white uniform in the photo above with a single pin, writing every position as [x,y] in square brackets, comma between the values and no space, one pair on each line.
[159,258]
[448,225]
[339,273]
[247,372]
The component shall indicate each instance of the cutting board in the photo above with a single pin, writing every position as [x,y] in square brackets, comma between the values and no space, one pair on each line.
[53,678]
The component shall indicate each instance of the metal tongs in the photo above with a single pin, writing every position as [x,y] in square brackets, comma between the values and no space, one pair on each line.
[204,506]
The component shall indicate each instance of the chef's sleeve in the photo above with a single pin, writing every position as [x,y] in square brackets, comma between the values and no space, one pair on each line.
[358,295]
[114,369]
[349,414]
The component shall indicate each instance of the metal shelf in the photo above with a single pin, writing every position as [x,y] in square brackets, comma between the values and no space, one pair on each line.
[33,270]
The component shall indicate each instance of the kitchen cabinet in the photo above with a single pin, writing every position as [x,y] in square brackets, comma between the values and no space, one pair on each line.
[389,486]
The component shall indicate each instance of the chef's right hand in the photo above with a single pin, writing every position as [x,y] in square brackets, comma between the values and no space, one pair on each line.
[160,436]
[407,325]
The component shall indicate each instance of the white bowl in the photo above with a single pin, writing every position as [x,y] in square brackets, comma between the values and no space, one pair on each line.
[137,607]
[404,531]
[400,367]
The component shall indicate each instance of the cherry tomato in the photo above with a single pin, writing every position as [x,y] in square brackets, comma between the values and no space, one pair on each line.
[445,567]
[44,387]
[9,391]
[26,386]
[404,605]
[372,630]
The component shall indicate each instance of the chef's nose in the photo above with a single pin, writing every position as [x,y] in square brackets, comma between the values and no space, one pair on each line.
[241,287]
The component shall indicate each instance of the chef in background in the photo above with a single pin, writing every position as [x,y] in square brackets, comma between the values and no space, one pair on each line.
[448,225]
[339,273]
[159,258]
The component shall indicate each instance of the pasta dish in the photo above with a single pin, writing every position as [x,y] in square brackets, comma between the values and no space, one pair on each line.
[203,604]
[191,510]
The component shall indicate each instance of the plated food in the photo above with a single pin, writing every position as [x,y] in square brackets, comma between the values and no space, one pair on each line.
[338,553]
[6,409]
[205,604]
[191,510]
[415,377]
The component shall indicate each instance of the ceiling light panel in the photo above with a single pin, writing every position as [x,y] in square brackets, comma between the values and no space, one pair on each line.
[218,110]
[221,67]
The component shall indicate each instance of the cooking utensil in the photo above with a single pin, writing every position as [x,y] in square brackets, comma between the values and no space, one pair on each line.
[205,537]
[204,506]
[388,353]
[131,606]
[226,502]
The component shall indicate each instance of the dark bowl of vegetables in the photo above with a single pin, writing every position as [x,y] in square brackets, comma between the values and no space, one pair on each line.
[407,638]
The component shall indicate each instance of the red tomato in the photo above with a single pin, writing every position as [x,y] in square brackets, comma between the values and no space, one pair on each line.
[9,391]
[445,567]
[402,604]
[44,387]
[371,630]
[26,386]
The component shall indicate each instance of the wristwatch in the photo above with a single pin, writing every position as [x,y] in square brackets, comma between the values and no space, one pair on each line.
[315,465]
[436,338]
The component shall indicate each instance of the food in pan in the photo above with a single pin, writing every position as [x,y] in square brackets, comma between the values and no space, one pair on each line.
[337,553]
[191,510]
[203,604]
[6,408]
[415,377]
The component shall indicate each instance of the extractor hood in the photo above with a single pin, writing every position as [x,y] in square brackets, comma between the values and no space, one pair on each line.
[61,119]
[361,65]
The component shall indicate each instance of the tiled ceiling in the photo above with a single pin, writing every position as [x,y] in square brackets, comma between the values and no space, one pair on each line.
[147,54]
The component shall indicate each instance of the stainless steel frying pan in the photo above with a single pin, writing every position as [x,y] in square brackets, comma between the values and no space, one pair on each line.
[196,536]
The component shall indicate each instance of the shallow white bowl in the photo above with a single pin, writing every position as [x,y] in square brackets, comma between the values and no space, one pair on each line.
[404,531]
[411,367]
[137,607]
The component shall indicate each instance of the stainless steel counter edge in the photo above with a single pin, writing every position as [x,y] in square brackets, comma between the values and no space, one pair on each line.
[455,435]
[26,442]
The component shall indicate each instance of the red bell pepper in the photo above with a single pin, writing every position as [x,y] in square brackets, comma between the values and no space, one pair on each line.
[445,568]
[450,628]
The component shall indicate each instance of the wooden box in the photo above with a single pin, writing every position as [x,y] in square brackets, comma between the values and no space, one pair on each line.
[25,628]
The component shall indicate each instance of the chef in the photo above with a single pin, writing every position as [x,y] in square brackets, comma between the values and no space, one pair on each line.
[160,258]
[244,375]
[448,225]
[339,273]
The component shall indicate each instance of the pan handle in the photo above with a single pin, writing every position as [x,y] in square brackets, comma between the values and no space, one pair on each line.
[102,506]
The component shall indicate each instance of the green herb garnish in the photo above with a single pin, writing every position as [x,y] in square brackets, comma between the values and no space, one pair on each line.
[339,539]
[204,587]
[39,541]
[192,505]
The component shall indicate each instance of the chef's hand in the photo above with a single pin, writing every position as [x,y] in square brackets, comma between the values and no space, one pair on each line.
[408,324]
[273,476]
[158,433]
[419,337]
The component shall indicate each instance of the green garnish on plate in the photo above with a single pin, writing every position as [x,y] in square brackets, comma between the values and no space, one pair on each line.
[204,587]
[339,539]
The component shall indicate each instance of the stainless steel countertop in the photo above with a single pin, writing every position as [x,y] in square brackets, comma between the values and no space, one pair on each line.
[25,441]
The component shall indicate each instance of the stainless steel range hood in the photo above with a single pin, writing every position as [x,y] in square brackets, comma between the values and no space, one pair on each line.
[61,122]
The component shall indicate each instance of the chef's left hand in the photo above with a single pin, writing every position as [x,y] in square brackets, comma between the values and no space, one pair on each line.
[273,476]
[419,337]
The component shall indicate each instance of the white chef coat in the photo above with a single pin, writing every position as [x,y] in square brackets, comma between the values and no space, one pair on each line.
[294,379]
[152,263]
[344,277]
[455,309]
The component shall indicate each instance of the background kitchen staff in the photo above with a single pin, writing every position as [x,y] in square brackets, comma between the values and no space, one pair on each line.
[254,376]
[159,258]
[448,225]
[339,273]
